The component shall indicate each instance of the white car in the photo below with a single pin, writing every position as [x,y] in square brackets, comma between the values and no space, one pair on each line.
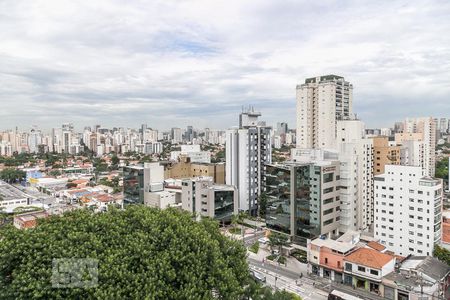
[263,240]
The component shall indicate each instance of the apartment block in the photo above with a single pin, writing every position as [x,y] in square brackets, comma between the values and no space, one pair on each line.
[321,101]
[356,174]
[424,130]
[248,149]
[408,210]
[384,154]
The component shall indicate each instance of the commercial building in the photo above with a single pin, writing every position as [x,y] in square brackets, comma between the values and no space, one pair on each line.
[408,210]
[185,168]
[11,197]
[303,199]
[248,149]
[365,267]
[139,181]
[201,196]
[321,102]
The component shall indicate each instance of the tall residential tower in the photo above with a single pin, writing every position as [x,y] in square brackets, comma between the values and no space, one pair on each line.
[321,102]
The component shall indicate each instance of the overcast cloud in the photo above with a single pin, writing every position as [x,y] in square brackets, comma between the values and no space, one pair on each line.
[175,63]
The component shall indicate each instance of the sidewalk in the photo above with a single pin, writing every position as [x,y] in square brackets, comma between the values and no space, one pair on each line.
[292,264]
[325,285]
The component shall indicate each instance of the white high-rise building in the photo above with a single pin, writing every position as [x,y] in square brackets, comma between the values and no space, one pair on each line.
[421,129]
[408,209]
[177,135]
[356,172]
[321,101]
[248,149]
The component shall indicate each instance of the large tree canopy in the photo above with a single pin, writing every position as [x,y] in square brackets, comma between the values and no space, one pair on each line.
[142,253]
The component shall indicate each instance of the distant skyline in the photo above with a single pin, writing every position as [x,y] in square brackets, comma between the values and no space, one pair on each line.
[178,63]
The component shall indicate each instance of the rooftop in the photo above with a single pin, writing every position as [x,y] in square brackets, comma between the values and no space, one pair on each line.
[428,265]
[369,257]
[334,245]
[9,192]
[376,246]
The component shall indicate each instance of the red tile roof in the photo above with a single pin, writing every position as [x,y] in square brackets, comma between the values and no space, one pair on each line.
[376,246]
[369,257]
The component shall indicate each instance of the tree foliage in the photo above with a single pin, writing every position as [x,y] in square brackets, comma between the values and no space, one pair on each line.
[442,254]
[142,253]
[12,175]
[442,168]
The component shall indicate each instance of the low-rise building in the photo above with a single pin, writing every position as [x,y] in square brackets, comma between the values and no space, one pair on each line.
[11,197]
[29,220]
[365,267]
[201,196]
[418,277]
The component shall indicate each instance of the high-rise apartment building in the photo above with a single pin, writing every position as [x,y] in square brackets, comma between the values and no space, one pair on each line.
[384,154]
[321,102]
[356,173]
[421,129]
[407,210]
[248,149]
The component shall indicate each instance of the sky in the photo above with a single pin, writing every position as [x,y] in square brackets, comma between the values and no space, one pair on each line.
[176,63]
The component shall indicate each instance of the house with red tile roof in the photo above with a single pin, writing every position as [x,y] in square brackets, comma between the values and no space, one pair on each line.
[365,267]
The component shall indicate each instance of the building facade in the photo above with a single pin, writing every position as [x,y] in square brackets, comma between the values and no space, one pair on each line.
[321,101]
[408,210]
[248,149]
[201,196]
[303,199]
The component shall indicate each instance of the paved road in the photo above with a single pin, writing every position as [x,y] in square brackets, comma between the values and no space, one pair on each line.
[284,279]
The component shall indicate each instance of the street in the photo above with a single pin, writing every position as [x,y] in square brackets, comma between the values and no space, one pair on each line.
[279,278]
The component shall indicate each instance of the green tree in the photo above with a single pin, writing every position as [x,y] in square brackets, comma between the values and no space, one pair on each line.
[142,253]
[12,175]
[442,168]
[442,254]
[278,240]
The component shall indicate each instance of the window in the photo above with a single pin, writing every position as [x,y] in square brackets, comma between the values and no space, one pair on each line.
[328,211]
[327,201]
[361,269]
[348,267]
[328,222]
[328,190]
[328,177]
[373,272]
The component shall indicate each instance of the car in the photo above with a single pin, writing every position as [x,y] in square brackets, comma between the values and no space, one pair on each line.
[263,240]
[258,276]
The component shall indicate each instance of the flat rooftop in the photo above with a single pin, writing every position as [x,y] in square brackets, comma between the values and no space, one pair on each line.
[9,192]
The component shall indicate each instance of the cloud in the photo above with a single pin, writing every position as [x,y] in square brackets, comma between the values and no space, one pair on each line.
[174,63]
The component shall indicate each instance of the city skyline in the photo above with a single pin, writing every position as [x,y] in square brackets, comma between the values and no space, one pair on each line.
[178,64]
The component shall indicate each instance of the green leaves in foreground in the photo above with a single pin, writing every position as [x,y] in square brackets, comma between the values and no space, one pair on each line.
[142,253]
